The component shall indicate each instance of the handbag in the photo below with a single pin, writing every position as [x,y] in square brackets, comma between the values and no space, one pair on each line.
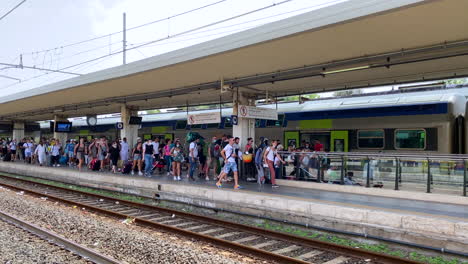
[247,158]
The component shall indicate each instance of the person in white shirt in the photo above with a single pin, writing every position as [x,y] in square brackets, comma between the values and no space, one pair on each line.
[40,153]
[193,157]
[156,148]
[229,156]
[56,153]
[124,148]
[28,150]
[13,149]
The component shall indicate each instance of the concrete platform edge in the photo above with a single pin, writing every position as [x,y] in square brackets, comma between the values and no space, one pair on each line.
[432,197]
[451,234]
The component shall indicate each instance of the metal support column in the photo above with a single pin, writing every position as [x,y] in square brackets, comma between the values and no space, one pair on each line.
[342,170]
[368,173]
[464,178]
[428,176]
[397,169]
[319,170]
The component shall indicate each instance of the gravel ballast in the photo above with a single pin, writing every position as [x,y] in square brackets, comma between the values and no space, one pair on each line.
[19,246]
[127,243]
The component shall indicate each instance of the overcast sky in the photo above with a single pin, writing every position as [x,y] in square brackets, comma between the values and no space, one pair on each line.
[39,29]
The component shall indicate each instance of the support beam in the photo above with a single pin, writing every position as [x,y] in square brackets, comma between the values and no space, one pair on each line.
[129,131]
[245,127]
[18,130]
[60,136]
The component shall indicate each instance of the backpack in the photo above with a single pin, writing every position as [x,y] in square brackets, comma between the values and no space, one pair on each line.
[259,156]
[127,168]
[63,160]
[95,164]
[217,151]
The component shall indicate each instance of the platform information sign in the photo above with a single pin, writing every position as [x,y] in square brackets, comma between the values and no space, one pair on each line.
[205,118]
[246,111]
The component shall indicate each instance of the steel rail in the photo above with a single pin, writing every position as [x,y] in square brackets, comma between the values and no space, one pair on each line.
[340,249]
[60,241]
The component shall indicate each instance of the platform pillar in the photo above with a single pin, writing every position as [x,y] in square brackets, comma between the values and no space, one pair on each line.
[18,130]
[57,135]
[245,127]
[129,131]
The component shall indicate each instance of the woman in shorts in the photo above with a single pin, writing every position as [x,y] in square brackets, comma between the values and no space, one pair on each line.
[80,152]
[178,158]
[137,158]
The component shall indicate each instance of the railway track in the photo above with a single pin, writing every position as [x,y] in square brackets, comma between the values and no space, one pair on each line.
[55,240]
[275,246]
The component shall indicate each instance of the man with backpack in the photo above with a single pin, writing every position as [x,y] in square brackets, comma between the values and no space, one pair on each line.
[214,152]
[259,160]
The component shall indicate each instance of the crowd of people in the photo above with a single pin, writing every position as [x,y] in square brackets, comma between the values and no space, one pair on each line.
[220,159]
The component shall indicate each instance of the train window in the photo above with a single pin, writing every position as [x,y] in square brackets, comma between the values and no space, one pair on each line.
[181,124]
[275,123]
[410,139]
[370,139]
[213,125]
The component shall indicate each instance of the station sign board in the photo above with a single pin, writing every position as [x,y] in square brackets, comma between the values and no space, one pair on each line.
[246,111]
[205,118]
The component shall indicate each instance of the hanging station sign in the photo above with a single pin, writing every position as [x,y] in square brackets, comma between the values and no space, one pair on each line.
[205,118]
[246,111]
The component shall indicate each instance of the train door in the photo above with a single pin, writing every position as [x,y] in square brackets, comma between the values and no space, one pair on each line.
[339,141]
[291,138]
[311,137]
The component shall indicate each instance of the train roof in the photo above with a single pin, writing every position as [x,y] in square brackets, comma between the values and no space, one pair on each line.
[453,96]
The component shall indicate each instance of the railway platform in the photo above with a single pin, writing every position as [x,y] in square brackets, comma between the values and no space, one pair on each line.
[431,220]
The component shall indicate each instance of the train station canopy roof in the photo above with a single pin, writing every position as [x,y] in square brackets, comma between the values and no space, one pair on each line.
[358,43]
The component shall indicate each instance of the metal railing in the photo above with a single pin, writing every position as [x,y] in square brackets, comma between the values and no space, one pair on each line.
[414,172]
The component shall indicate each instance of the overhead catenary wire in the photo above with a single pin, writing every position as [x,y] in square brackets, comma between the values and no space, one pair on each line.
[214,23]
[162,39]
[11,10]
[131,28]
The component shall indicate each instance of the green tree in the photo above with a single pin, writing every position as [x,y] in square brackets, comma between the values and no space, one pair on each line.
[295,98]
[155,111]
[457,81]
[347,92]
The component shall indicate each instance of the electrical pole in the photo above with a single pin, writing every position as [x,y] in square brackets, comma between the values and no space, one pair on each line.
[124,39]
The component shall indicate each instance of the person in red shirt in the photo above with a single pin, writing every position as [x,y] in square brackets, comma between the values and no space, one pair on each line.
[318,146]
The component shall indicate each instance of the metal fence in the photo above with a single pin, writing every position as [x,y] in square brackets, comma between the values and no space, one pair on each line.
[413,172]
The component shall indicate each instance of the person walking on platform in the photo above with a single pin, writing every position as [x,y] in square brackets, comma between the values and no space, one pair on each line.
[56,146]
[193,157]
[40,153]
[28,151]
[148,150]
[102,152]
[70,149]
[178,158]
[21,149]
[13,147]
[229,156]
[167,155]
[137,155]
[114,152]
[269,157]
[124,148]
[80,152]
[214,152]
